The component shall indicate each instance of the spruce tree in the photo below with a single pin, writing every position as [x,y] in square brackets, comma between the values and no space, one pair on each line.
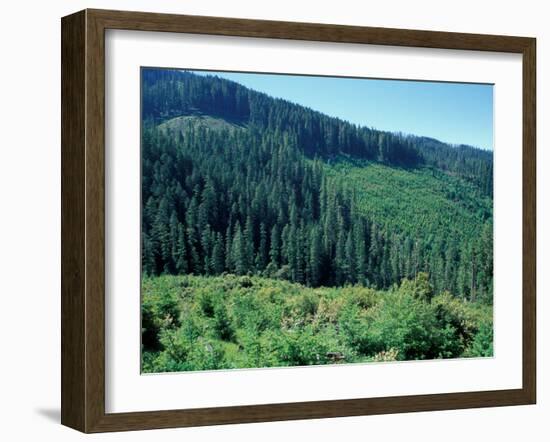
[229,265]
[340,267]
[206,246]
[349,267]
[248,239]
[218,263]
[360,252]
[180,252]
[238,252]
[275,246]
[314,274]
[262,256]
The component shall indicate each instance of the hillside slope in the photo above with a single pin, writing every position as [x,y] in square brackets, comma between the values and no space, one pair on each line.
[414,201]
[236,181]
[169,93]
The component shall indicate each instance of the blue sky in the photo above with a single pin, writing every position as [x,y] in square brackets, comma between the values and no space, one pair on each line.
[456,113]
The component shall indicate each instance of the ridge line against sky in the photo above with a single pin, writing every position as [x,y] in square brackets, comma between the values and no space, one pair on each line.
[453,113]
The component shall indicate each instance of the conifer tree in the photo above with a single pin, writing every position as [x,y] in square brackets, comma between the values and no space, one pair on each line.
[248,244]
[340,267]
[161,234]
[218,263]
[349,267]
[147,255]
[206,246]
[315,257]
[262,256]
[180,252]
[239,251]
[360,252]
[275,246]
[229,265]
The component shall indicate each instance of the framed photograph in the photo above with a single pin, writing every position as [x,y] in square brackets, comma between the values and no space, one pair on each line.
[267,221]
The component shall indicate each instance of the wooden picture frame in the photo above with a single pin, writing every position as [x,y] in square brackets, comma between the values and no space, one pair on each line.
[83,220]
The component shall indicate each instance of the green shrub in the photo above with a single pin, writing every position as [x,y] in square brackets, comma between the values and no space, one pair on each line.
[159,310]
[419,287]
[482,344]
[245,281]
[354,328]
[457,321]
[302,347]
[222,324]
[405,323]
[206,303]
[206,323]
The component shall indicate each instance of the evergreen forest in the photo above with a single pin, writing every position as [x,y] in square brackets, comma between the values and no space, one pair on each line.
[275,235]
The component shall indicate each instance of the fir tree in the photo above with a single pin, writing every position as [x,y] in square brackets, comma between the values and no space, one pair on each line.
[238,251]
[275,246]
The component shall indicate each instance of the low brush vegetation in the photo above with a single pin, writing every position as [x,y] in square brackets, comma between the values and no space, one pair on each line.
[205,323]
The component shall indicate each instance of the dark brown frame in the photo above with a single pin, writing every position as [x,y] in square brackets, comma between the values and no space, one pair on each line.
[83,216]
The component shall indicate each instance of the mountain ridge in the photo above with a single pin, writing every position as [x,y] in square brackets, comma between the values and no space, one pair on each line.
[320,135]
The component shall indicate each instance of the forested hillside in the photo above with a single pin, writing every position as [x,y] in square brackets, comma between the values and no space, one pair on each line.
[235,181]
[172,93]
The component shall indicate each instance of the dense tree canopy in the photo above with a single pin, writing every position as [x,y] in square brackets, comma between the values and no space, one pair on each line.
[169,93]
[236,181]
